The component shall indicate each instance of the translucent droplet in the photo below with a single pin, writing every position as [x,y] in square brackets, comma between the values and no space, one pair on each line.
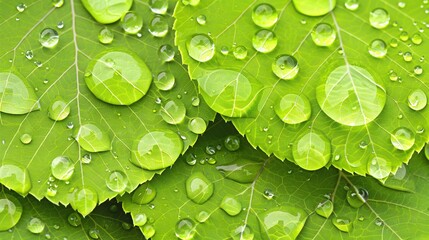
[242,232]
[417,100]
[148,231]
[26,138]
[404,36]
[140,219]
[379,222]
[10,211]
[285,221]
[94,233]
[201,48]
[91,138]
[325,209]
[21,7]
[268,194]
[132,22]
[232,143]
[202,216]
[312,150]
[58,3]
[60,25]
[15,178]
[352,5]
[106,36]
[293,109]
[58,110]
[356,200]
[51,191]
[379,168]
[230,205]
[49,38]
[224,50]
[35,225]
[144,194]
[401,4]
[173,112]
[265,15]
[418,70]
[240,52]
[285,67]
[158,27]
[197,125]
[185,229]
[198,188]
[84,201]
[377,48]
[166,53]
[379,18]
[201,19]
[402,138]
[394,42]
[264,41]
[241,170]
[408,57]
[314,8]
[195,101]
[165,81]
[29,54]
[416,39]
[323,34]
[62,168]
[343,224]
[158,6]
[117,181]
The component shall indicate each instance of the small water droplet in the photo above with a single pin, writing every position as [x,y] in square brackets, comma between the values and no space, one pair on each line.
[173,112]
[418,70]
[58,3]
[185,229]
[148,231]
[94,233]
[264,15]
[166,53]
[62,168]
[106,36]
[264,41]
[201,48]
[131,22]
[10,211]
[140,219]
[165,81]
[158,6]
[408,57]
[293,109]
[29,54]
[21,7]
[402,138]
[377,48]
[343,224]
[195,101]
[379,18]
[58,110]
[91,138]
[60,25]
[49,38]
[323,34]
[26,138]
[35,225]
[117,181]
[201,19]
[232,143]
[74,219]
[268,194]
[325,209]
[144,194]
[240,52]
[285,67]
[224,50]
[356,200]
[416,39]
[379,168]
[379,222]
[417,100]
[231,205]
[404,36]
[352,5]
[202,216]
[198,188]
[197,125]
[158,27]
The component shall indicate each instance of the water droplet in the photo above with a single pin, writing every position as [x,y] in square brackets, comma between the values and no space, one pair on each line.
[325,209]
[285,221]
[404,36]
[323,34]
[210,150]
[356,200]
[106,36]
[352,5]
[94,233]
[408,57]
[62,168]
[117,181]
[201,19]
[264,41]
[13,103]
[242,232]
[393,76]
[401,4]
[416,39]
[191,159]
[140,219]
[165,81]
[132,22]
[377,48]
[198,188]
[49,38]
[241,170]
[343,224]
[29,54]
[74,219]
[285,67]
[51,191]
[21,7]
[394,42]
[35,225]
[402,138]
[417,100]
[158,6]
[116,72]
[379,18]
[268,194]
[58,110]
[265,15]
[379,222]
[230,205]
[240,52]
[15,178]
[26,138]
[185,229]
[201,48]
[197,125]
[60,25]
[379,168]
[224,50]
[157,150]
[91,138]
[351,99]
[312,150]
[148,231]
[144,194]
[58,3]
[293,109]
[173,112]
[84,201]
[232,143]
[418,70]
[10,211]
[158,27]
[202,216]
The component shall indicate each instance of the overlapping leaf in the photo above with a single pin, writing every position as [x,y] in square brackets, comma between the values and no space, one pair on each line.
[344,107]
[31,141]
[267,190]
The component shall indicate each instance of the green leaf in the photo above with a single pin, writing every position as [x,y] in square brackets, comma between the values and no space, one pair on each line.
[98,92]
[353,77]
[245,193]
[42,220]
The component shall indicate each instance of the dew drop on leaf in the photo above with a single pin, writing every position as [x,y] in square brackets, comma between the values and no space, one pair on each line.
[62,168]
[92,139]
[15,178]
[408,57]
[285,221]
[185,229]
[379,168]
[148,231]
[269,194]
[232,143]
[51,191]
[264,41]
[416,39]
[166,53]
[58,110]
[195,101]
[354,199]
[352,5]
[173,112]
[25,138]
[197,125]
[84,201]
[29,54]
[417,100]
[265,15]
[109,12]
[165,81]
[94,233]
[402,138]
[240,52]
[243,232]
[312,150]
[140,219]
[60,25]
[202,216]
[224,50]
[201,19]
[404,36]
[323,34]
[158,6]
[132,22]
[35,225]
[285,67]
[418,70]
[314,8]
[377,48]
[342,224]
[144,194]
[21,7]
[293,109]
[106,36]
[158,27]
[201,48]
[230,205]
[117,181]
[49,38]
[198,188]
[325,209]
[10,211]
[241,170]
[379,18]
[58,3]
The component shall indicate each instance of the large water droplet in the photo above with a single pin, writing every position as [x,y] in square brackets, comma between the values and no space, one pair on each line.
[377,48]
[356,200]
[264,41]
[402,138]
[323,34]
[379,167]
[91,138]
[242,232]
[58,110]
[10,211]
[17,96]
[241,170]
[312,150]
[157,150]
[185,229]
[115,72]
[158,27]
[84,201]
[285,67]
[201,48]
[379,18]
[117,181]
[293,109]
[351,96]
[106,36]
[198,188]
[158,6]
[74,219]
[314,8]
[265,15]
[284,221]
[325,209]
[165,81]
[62,168]
[197,125]
[35,225]
[173,112]
[230,205]
[49,38]
[15,178]
[107,11]
[417,100]
[343,224]
[166,53]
